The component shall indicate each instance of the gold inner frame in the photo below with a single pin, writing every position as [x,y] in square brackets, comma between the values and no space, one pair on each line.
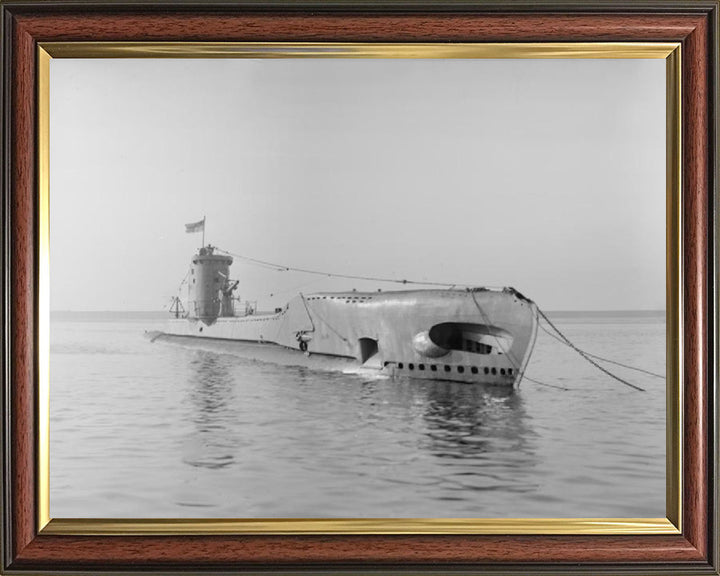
[671,52]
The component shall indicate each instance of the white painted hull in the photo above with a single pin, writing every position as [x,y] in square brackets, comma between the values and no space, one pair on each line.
[479,336]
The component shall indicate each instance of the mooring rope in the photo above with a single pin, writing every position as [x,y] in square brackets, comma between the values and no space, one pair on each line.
[565,340]
[585,355]
[563,388]
[605,359]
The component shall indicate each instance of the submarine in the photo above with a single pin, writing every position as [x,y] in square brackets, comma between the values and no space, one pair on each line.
[472,335]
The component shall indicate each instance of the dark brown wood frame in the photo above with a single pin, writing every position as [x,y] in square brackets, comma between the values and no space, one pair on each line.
[693,23]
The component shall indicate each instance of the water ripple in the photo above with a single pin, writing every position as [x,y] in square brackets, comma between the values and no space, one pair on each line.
[157,430]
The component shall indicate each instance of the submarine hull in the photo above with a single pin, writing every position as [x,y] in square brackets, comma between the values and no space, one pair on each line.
[474,336]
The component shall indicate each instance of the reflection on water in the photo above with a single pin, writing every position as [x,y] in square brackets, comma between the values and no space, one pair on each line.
[465,421]
[482,436]
[186,432]
[212,443]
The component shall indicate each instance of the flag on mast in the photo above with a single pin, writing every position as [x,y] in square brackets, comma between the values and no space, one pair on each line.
[195,226]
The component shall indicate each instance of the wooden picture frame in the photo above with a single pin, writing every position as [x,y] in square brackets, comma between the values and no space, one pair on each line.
[30,545]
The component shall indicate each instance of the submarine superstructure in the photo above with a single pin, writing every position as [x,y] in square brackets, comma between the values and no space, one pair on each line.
[473,335]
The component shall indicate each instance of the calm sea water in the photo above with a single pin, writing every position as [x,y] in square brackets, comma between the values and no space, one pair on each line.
[141,429]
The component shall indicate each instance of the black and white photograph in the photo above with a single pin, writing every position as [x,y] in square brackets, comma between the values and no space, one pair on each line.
[357,288]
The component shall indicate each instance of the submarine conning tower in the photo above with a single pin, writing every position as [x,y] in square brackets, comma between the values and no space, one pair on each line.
[208,285]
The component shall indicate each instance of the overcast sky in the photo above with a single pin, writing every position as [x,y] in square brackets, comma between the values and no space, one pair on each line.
[545,175]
